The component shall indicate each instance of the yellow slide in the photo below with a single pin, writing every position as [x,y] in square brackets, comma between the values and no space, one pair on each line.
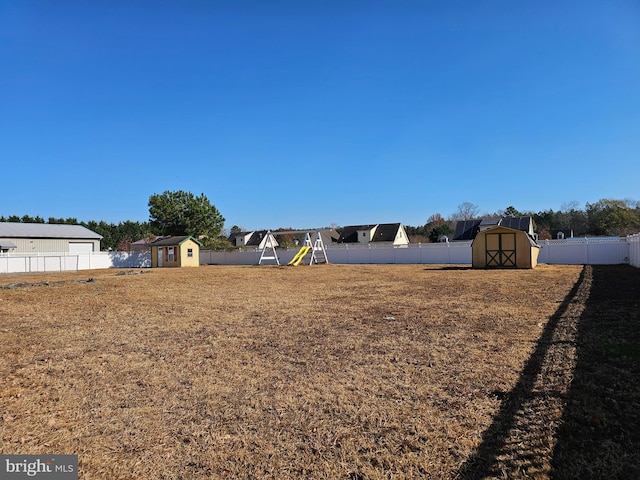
[300,255]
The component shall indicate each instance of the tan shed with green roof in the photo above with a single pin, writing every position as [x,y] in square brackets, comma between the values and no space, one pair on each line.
[179,251]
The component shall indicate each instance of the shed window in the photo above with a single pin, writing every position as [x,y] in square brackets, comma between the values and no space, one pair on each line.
[171,254]
[190,252]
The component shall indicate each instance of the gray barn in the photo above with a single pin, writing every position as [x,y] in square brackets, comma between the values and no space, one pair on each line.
[47,238]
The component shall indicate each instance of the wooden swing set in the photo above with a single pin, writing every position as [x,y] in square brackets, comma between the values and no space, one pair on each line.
[314,247]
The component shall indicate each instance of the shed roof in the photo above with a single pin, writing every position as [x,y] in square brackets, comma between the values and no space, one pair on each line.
[173,241]
[6,244]
[45,230]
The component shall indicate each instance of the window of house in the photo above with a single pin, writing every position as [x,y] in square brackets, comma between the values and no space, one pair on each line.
[171,257]
[190,252]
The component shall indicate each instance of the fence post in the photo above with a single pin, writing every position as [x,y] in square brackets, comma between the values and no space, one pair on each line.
[586,251]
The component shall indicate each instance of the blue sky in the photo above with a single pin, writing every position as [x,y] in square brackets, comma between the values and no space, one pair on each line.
[306,114]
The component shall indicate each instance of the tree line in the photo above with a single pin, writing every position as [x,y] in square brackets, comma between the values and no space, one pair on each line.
[182,213]
[116,236]
[606,217]
[170,213]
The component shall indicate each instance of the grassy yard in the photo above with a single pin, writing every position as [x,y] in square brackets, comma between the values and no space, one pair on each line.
[330,371]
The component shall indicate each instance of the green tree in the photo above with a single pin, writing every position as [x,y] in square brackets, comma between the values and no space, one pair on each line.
[182,213]
[612,217]
[107,230]
[285,240]
[416,234]
[64,221]
[437,226]
[30,219]
[511,212]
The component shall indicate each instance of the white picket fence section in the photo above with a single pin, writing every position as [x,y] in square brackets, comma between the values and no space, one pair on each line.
[573,251]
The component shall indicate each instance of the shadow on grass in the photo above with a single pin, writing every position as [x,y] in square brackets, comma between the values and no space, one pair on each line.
[454,267]
[600,432]
[575,410]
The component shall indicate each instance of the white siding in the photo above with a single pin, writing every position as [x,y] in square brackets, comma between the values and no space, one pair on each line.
[45,245]
[80,247]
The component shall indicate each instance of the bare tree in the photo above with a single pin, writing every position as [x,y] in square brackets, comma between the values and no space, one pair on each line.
[466,211]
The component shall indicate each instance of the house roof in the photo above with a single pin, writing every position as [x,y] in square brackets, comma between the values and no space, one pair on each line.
[45,230]
[173,240]
[385,232]
[487,222]
[349,233]
[235,235]
[145,241]
[328,235]
[517,223]
[509,229]
[255,238]
[468,229]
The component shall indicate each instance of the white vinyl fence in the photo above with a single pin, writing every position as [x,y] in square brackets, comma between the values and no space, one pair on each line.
[573,251]
[584,251]
[455,253]
[634,250]
[59,262]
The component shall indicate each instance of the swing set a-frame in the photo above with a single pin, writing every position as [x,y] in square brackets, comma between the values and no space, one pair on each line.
[313,247]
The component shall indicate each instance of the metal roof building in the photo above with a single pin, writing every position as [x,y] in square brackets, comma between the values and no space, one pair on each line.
[47,238]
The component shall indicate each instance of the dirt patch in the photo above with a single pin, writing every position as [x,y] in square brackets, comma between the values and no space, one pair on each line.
[336,371]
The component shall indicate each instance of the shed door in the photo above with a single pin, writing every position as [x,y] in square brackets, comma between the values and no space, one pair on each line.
[160,256]
[501,249]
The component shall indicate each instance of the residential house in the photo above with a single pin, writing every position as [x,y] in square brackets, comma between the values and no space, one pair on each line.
[255,239]
[143,245]
[380,233]
[468,229]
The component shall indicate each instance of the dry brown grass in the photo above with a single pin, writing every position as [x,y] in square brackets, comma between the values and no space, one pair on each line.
[263,372]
